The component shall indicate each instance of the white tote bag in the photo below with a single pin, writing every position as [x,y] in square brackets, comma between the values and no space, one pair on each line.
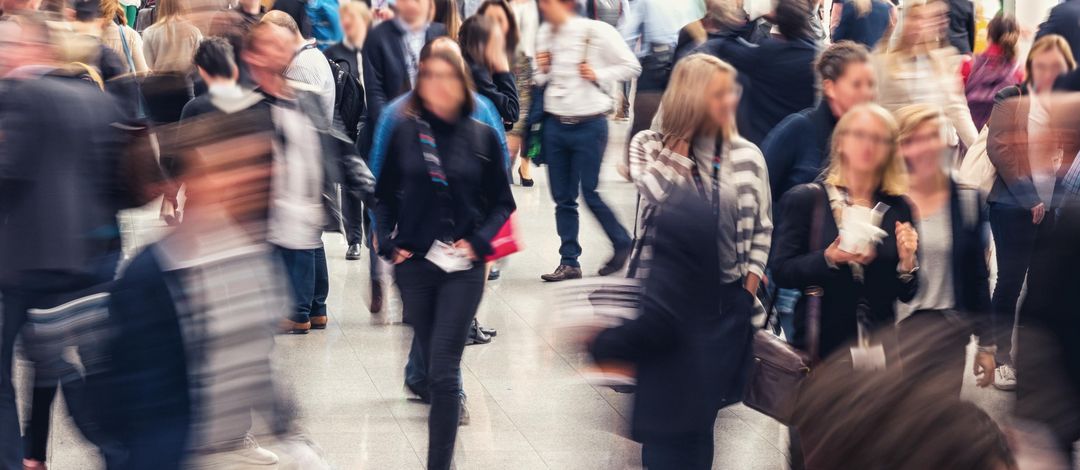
[976,169]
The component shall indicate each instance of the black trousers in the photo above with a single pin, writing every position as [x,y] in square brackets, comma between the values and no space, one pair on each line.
[686,451]
[440,307]
[1014,238]
[352,209]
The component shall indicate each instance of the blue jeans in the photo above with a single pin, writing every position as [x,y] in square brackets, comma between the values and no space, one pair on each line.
[309,279]
[573,154]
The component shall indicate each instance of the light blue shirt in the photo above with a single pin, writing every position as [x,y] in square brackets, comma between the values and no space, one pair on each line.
[657,22]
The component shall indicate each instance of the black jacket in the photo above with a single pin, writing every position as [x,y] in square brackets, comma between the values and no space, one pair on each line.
[61,183]
[1063,20]
[297,9]
[345,58]
[962,25]
[867,29]
[691,343]
[386,75]
[777,78]
[408,210]
[971,277]
[797,149]
[500,89]
[797,265]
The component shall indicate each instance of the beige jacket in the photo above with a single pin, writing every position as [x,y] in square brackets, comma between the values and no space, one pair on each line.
[903,80]
[169,45]
[110,36]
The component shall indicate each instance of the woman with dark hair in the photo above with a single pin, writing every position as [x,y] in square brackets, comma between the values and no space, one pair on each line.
[484,50]
[503,15]
[446,12]
[441,197]
[519,23]
[994,69]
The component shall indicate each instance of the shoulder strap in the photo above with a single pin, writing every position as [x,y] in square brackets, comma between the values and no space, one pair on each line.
[127,48]
[814,294]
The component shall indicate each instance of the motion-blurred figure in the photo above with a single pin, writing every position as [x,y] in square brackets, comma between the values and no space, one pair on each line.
[62,182]
[691,344]
[1021,147]
[993,69]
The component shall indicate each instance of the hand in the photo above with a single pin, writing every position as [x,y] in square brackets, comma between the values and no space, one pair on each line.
[752,283]
[384,14]
[587,72]
[543,60]
[496,55]
[466,248]
[401,255]
[907,242]
[1038,213]
[835,256]
[983,368]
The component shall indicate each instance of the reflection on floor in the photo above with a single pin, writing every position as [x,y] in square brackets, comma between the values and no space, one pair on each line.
[531,407]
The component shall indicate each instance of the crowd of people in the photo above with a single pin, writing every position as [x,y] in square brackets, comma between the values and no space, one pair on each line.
[871,187]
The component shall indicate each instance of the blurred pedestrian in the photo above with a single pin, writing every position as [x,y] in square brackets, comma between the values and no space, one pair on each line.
[519,22]
[62,182]
[698,149]
[1026,160]
[308,65]
[1062,21]
[858,289]
[436,215]
[214,61]
[389,72]
[797,150]
[483,46]
[778,74]
[954,286]
[579,60]
[866,22]
[170,42]
[920,67]
[961,31]
[690,347]
[994,69]
[356,20]
[325,23]
[448,13]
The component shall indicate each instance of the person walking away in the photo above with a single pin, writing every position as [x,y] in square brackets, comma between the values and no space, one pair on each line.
[992,70]
[348,54]
[391,55]
[698,149]
[691,344]
[170,42]
[214,62]
[777,75]
[864,21]
[921,68]
[954,293]
[797,150]
[1026,179]
[437,210]
[578,60]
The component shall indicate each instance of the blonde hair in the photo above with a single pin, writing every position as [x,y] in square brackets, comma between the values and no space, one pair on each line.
[910,118]
[910,7]
[171,9]
[691,76]
[359,10]
[1050,42]
[893,173]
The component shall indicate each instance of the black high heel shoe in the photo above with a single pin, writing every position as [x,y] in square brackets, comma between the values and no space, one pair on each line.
[526,182]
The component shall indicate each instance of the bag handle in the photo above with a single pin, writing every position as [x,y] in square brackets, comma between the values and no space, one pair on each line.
[814,293]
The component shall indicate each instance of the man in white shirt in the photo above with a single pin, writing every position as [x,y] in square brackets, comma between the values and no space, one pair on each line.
[309,65]
[579,60]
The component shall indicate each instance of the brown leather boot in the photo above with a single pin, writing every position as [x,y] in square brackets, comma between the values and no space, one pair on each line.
[289,327]
[319,322]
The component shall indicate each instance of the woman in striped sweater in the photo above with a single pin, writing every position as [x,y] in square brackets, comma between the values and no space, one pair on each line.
[699,148]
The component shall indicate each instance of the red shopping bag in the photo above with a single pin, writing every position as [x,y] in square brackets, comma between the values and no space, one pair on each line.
[505,242]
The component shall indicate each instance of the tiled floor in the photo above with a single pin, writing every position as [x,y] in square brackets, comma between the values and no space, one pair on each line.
[531,407]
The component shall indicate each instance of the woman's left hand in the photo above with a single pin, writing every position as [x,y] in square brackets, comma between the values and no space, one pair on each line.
[466,248]
[907,242]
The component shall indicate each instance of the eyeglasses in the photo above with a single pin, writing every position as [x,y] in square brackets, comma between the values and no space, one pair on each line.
[876,139]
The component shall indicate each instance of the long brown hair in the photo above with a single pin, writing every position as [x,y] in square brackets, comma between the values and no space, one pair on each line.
[513,34]
[474,38]
[112,12]
[684,108]
[171,9]
[446,12]
[1004,31]
[429,54]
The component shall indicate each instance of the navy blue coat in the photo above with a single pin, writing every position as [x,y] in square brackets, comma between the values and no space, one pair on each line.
[386,76]
[866,30]
[797,149]
[1063,20]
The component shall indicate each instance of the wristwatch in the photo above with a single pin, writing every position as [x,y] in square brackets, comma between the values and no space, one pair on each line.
[906,277]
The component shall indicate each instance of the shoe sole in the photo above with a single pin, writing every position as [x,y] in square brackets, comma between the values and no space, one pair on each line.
[352,258]
[559,280]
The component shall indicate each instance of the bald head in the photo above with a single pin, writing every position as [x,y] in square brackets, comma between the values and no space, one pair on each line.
[284,21]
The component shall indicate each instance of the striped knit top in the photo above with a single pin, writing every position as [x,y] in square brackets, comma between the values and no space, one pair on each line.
[657,171]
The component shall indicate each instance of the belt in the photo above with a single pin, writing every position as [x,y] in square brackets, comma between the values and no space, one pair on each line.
[575,120]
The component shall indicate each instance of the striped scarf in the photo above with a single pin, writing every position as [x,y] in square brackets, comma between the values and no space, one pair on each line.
[430,150]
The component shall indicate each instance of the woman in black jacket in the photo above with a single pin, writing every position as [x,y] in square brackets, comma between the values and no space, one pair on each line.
[859,287]
[441,197]
[954,297]
[484,47]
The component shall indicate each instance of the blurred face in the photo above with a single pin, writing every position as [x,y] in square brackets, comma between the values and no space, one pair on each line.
[925,23]
[497,15]
[722,97]
[439,86]
[1046,66]
[864,145]
[412,11]
[554,11]
[270,54]
[355,28]
[923,148]
[854,87]
[20,47]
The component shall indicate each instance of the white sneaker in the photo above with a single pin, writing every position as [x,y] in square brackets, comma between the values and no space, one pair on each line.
[248,456]
[1005,378]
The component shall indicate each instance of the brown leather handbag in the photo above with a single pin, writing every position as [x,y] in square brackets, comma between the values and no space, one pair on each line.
[778,369]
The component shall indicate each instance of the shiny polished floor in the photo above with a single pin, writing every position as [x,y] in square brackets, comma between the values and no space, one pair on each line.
[531,406]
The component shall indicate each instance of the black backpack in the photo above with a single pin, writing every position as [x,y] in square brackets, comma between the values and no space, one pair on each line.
[349,104]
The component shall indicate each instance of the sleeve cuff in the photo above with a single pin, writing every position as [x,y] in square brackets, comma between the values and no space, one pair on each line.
[481,247]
